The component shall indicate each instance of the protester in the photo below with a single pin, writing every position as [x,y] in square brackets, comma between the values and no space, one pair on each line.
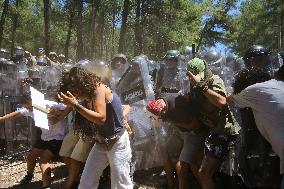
[265,97]
[204,108]
[76,147]
[46,148]
[112,142]
[253,144]
[208,91]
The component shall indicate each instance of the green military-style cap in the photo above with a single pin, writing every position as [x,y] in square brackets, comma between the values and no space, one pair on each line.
[196,66]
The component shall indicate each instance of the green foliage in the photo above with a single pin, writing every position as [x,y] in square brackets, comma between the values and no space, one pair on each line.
[257,23]
[163,25]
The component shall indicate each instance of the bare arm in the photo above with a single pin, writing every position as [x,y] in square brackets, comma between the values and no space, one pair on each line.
[55,116]
[126,109]
[214,98]
[99,105]
[10,116]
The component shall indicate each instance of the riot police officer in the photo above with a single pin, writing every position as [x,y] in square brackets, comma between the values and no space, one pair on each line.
[258,56]
[119,65]
[167,80]
[3,54]
[18,56]
[215,62]
[258,166]
[41,57]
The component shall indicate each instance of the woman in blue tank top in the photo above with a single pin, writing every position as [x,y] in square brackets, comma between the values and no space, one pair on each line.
[112,145]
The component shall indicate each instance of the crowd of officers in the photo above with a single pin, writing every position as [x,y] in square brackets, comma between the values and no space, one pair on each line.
[41,59]
[203,127]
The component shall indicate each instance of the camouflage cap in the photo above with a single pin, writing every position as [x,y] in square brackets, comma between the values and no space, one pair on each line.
[197,66]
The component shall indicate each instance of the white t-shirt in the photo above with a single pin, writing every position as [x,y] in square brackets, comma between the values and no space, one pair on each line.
[56,131]
[267,103]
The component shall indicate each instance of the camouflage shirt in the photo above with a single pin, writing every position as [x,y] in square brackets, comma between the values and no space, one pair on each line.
[218,120]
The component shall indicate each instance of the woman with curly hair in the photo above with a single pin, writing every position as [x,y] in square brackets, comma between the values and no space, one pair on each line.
[112,142]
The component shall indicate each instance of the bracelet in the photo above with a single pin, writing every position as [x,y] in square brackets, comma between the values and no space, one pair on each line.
[205,88]
[78,107]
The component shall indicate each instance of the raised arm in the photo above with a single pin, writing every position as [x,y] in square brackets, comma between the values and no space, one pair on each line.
[55,115]
[98,114]
[10,116]
[214,98]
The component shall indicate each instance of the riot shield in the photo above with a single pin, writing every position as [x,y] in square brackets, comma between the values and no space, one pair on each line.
[172,79]
[15,134]
[135,88]
[258,164]
[51,77]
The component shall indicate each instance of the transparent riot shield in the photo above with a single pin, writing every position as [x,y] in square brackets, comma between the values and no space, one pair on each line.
[51,77]
[22,75]
[171,78]
[15,134]
[258,164]
[276,62]
[135,88]
[230,68]
[9,78]
[66,66]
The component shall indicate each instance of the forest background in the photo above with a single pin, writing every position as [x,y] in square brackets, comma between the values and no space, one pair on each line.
[101,28]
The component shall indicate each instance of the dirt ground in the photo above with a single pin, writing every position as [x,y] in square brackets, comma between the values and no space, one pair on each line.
[13,169]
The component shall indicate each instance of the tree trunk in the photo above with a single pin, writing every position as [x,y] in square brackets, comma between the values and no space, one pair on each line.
[137,29]
[125,12]
[70,26]
[47,5]
[79,50]
[281,25]
[97,4]
[202,35]
[101,33]
[106,39]
[91,6]
[15,25]
[112,33]
[2,20]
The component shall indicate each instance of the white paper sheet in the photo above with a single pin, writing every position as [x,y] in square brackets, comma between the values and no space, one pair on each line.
[40,117]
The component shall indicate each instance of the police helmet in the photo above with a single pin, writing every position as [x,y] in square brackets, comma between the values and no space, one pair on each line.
[172,54]
[19,51]
[212,57]
[3,53]
[188,50]
[257,56]
[121,57]
[256,50]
